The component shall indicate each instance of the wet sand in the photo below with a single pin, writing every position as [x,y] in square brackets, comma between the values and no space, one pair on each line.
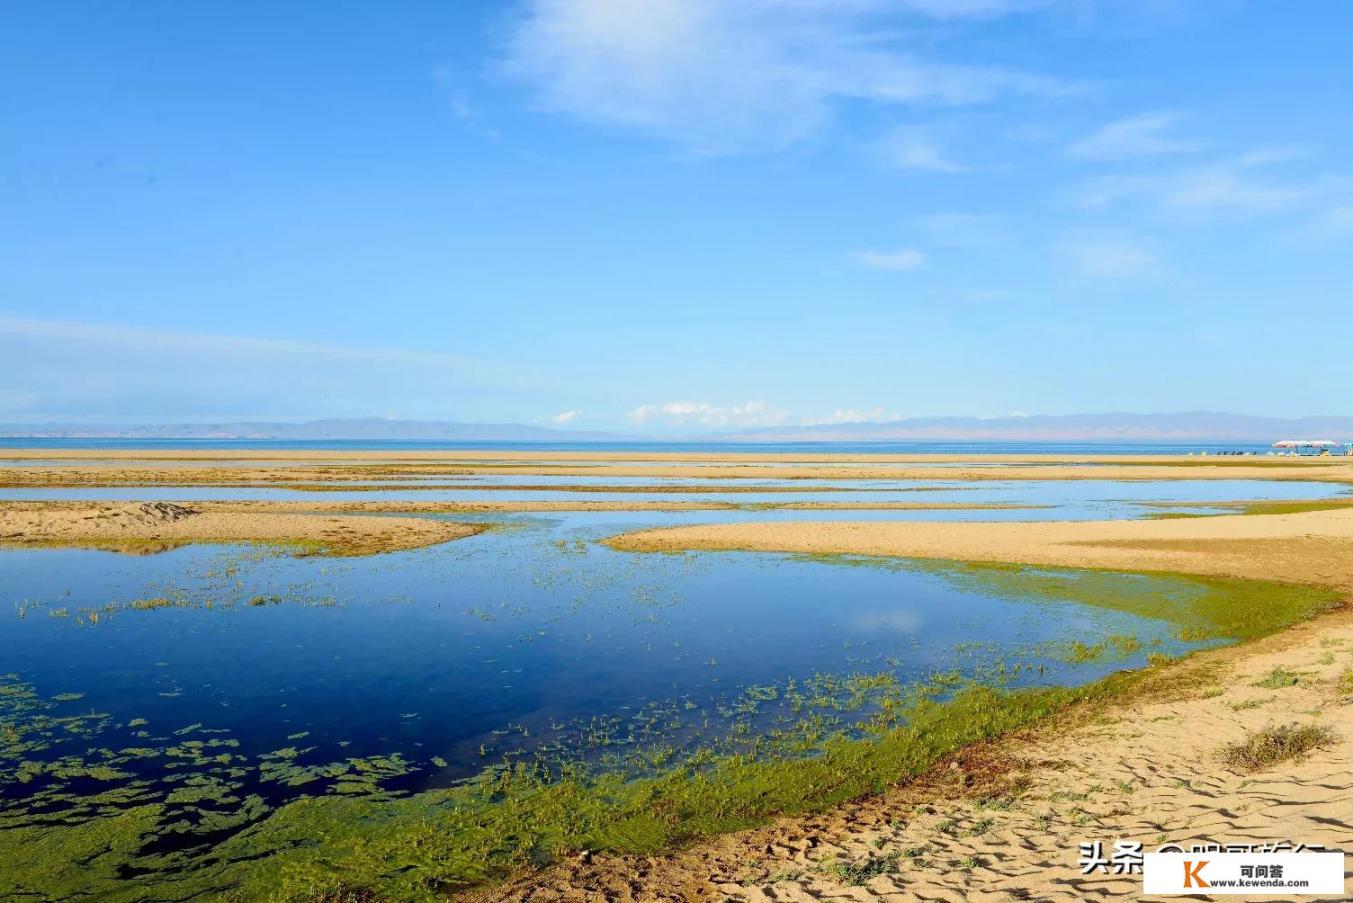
[336,528]
[156,526]
[1312,547]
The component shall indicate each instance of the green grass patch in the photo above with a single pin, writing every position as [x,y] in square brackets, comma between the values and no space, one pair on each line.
[1202,608]
[1276,744]
[1343,684]
[1279,678]
[1260,506]
[856,874]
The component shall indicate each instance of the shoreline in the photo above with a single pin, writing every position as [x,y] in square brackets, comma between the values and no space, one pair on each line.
[1002,819]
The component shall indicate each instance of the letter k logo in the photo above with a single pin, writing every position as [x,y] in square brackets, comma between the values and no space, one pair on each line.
[1192,874]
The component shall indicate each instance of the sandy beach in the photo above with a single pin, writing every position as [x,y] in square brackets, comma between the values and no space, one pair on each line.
[156,526]
[1311,547]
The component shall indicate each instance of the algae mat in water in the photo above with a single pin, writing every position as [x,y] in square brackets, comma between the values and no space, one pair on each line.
[101,808]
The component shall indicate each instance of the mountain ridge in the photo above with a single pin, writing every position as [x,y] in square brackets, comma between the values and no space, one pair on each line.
[1188,426]
[374,428]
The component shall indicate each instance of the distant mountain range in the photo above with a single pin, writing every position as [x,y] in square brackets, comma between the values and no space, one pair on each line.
[1194,426]
[374,428]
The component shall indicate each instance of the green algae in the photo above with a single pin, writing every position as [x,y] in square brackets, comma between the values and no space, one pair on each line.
[422,846]
[1201,608]
[349,832]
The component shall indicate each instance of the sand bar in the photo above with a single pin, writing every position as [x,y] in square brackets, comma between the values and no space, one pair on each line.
[1312,547]
[157,526]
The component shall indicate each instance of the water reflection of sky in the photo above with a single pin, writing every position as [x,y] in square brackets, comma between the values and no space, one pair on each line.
[528,630]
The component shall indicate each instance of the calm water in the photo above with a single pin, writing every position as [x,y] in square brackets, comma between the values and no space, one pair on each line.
[512,640]
[260,670]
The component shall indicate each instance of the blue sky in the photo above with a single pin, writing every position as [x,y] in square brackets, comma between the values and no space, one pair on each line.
[675,215]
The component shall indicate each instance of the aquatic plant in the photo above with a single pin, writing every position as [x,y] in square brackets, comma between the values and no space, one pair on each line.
[319,829]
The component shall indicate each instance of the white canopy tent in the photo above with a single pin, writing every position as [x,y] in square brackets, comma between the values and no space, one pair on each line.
[1298,445]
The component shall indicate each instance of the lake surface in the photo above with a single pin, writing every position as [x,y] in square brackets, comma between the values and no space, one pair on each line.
[520,639]
[208,675]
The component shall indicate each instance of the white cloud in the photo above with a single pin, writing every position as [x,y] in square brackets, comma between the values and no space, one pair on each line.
[899,260]
[1213,189]
[564,417]
[1229,186]
[1264,156]
[1330,226]
[720,77]
[683,413]
[1109,255]
[914,147]
[1144,135]
[850,415]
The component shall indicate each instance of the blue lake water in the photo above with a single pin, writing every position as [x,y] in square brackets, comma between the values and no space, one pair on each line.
[498,643]
[528,640]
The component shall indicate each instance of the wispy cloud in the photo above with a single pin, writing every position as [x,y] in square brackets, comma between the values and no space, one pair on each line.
[915,147]
[1236,186]
[564,417]
[1144,135]
[851,415]
[720,77]
[66,369]
[1331,226]
[899,260]
[1107,255]
[684,413]
[462,107]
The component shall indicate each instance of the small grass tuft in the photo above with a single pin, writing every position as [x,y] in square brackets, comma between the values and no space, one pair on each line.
[858,873]
[1276,744]
[1279,678]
